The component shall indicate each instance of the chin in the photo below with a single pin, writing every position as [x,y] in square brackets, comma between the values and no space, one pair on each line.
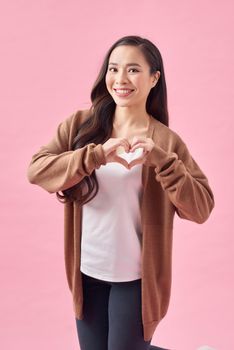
[122,104]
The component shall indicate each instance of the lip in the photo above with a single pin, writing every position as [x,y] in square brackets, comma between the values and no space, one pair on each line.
[123,94]
[123,89]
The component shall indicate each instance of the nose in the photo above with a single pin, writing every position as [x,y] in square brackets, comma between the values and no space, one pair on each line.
[121,77]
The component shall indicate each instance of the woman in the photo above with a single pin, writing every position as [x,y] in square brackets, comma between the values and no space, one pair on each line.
[122,174]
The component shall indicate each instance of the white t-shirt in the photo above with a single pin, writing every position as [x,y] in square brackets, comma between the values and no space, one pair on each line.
[111,237]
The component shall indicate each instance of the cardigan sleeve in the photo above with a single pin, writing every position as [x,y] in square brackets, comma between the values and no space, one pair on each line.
[185,183]
[55,168]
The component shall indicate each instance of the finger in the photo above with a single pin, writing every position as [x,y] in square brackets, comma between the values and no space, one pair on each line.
[138,145]
[141,145]
[137,139]
[122,161]
[126,145]
[131,164]
[142,159]
[135,162]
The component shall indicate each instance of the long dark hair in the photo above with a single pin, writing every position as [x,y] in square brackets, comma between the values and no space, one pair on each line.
[98,127]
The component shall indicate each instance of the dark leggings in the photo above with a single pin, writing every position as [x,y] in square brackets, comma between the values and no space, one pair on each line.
[112,316]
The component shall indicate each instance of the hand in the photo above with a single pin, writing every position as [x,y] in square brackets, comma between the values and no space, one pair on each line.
[110,147]
[141,142]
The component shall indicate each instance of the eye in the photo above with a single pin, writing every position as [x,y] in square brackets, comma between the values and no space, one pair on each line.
[134,69]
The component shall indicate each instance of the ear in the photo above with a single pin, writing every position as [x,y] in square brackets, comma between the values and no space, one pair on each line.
[156,77]
[157,74]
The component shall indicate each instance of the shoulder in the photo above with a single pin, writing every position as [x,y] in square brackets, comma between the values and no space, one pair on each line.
[166,137]
[77,118]
[68,127]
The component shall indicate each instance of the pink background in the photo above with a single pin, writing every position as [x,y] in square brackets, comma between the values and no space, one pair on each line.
[51,52]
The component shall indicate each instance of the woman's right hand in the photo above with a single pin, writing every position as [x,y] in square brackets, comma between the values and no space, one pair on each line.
[110,147]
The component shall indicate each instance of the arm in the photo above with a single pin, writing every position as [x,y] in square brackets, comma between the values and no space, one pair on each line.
[55,168]
[185,183]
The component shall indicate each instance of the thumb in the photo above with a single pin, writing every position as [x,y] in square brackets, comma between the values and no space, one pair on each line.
[121,161]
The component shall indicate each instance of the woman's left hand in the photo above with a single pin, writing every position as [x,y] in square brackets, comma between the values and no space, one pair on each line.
[141,142]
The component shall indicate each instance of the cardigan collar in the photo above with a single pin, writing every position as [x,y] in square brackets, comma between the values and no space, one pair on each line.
[150,132]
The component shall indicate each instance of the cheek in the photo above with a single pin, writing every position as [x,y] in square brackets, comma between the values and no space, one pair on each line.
[137,82]
[108,80]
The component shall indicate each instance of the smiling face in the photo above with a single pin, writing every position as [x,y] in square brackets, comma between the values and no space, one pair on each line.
[128,78]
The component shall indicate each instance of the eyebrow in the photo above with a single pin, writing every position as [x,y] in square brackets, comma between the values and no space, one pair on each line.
[127,65]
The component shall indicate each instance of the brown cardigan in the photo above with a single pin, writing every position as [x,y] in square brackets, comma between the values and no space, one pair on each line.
[172,182]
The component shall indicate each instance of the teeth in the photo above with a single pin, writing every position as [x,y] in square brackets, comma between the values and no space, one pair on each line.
[123,91]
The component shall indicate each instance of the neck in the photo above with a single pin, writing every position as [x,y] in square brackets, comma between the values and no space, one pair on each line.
[126,117]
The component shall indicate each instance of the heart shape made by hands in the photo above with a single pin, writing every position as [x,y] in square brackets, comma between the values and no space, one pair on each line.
[130,156]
